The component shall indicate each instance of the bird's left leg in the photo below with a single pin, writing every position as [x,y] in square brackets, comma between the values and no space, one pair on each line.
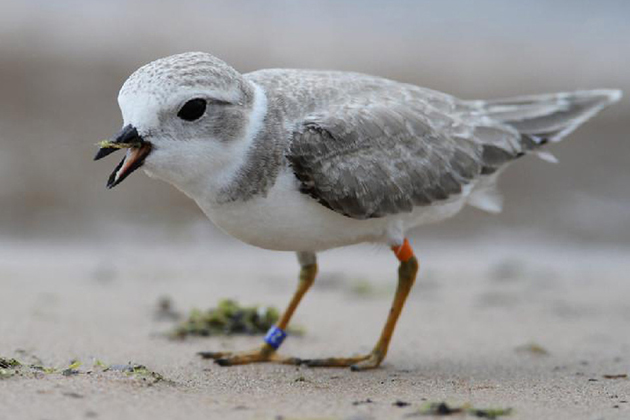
[267,351]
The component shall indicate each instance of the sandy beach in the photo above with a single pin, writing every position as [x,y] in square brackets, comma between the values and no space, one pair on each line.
[534,329]
[527,310]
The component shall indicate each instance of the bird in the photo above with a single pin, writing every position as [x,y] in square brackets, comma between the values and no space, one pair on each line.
[310,160]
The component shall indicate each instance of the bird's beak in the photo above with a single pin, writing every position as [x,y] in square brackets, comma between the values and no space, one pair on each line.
[137,151]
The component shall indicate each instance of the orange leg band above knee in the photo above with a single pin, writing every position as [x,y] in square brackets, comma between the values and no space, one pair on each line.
[403,252]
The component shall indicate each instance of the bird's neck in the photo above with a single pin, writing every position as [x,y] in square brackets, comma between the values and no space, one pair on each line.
[239,171]
[263,161]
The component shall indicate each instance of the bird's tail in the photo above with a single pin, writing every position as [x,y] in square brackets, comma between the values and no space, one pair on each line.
[539,119]
[549,117]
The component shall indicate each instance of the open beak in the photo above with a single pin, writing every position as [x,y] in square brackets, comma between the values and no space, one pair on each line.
[137,151]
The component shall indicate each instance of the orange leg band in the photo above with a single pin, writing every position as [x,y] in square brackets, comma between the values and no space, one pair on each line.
[403,252]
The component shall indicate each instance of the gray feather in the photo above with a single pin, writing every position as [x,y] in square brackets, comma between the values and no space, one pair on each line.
[549,116]
[371,162]
[369,147]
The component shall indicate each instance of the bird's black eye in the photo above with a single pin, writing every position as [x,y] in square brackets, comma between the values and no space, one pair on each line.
[193,109]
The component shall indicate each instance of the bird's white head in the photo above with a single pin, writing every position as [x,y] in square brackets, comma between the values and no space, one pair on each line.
[188,118]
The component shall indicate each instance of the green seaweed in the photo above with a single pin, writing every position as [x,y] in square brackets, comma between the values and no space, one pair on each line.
[490,413]
[6,363]
[141,371]
[138,371]
[13,367]
[227,318]
[44,369]
[73,369]
[108,144]
[10,367]
[443,409]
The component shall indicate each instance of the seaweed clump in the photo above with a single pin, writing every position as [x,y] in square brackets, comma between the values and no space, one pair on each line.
[134,370]
[443,409]
[227,318]
[13,367]
[8,367]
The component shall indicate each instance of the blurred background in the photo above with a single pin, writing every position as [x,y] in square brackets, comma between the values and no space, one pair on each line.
[62,64]
[83,270]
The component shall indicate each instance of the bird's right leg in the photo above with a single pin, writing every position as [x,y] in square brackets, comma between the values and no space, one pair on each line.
[407,271]
[267,351]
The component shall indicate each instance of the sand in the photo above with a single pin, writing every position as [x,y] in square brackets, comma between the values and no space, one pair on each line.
[465,336]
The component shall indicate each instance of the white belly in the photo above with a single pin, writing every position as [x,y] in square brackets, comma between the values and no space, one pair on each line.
[288,220]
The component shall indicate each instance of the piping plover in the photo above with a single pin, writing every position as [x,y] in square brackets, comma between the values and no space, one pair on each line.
[305,160]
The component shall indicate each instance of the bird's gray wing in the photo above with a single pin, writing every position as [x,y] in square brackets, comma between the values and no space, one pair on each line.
[371,161]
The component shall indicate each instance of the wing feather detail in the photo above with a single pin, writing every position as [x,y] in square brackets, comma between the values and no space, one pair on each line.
[373,161]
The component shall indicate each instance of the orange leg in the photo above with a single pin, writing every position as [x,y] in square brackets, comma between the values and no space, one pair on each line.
[267,352]
[406,277]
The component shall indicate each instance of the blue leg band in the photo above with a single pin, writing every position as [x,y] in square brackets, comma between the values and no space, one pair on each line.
[275,336]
